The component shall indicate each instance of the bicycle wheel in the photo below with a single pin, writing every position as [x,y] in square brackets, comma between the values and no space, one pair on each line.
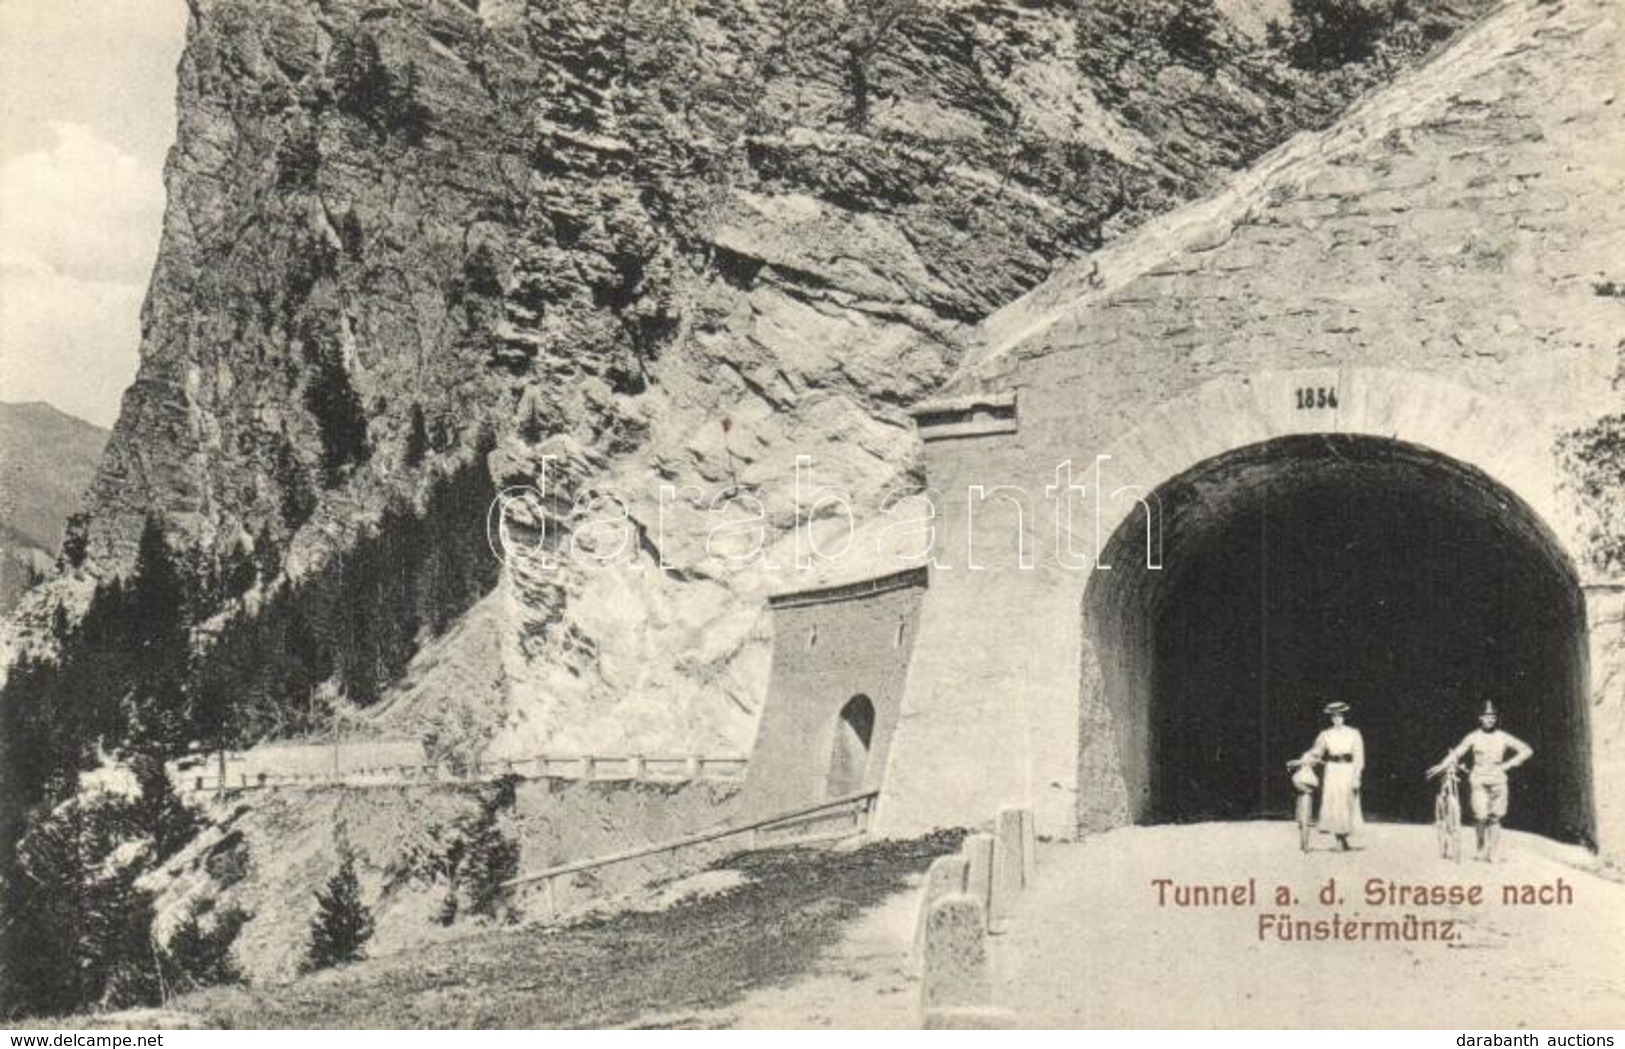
[1452,819]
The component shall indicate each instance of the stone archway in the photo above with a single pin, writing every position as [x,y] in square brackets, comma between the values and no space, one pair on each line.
[849,750]
[1493,435]
[1313,566]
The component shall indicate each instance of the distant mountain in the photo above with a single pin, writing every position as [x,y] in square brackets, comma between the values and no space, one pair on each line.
[47,460]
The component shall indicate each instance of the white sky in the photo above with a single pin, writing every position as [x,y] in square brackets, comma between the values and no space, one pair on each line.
[87,114]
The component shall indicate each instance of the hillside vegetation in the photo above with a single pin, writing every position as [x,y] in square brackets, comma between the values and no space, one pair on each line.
[416,252]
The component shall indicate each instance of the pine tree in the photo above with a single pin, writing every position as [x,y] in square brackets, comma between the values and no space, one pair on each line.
[417,437]
[198,956]
[342,924]
[1188,31]
[31,740]
[1325,34]
[532,424]
[159,647]
[351,235]
[78,931]
[267,558]
[98,666]
[237,571]
[76,539]
[123,957]
[408,114]
[298,497]
[477,858]
[491,857]
[299,159]
[44,917]
[333,402]
[159,809]
[362,85]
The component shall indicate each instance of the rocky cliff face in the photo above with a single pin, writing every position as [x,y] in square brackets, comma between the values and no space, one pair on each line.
[655,251]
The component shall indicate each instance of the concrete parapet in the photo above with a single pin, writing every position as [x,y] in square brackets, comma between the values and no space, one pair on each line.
[945,877]
[978,852]
[1010,863]
[1029,848]
[969,1018]
[955,972]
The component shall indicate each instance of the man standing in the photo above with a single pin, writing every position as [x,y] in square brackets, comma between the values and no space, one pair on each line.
[1488,778]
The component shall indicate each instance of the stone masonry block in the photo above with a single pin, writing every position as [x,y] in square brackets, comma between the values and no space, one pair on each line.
[969,1018]
[1029,848]
[1009,867]
[955,970]
[978,852]
[945,877]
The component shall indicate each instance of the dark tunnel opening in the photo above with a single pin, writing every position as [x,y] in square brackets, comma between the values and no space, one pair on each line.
[1333,567]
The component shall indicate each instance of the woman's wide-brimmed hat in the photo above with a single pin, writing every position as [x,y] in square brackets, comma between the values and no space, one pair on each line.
[1336,708]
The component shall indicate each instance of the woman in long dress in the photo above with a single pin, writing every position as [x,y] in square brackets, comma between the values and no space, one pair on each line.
[1341,752]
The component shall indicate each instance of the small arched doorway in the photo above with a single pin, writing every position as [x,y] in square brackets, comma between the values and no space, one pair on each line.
[849,751]
[1331,566]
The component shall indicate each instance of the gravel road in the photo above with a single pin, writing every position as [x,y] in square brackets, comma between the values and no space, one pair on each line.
[1090,945]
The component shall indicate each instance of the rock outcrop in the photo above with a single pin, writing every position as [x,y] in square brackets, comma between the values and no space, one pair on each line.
[655,252]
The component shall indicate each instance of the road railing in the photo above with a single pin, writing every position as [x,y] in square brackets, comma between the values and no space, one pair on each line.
[594,767]
[833,819]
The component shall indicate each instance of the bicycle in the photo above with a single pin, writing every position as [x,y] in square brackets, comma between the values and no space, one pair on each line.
[1304,781]
[1447,812]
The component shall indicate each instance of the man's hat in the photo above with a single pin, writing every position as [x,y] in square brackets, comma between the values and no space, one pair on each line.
[1488,711]
[1336,708]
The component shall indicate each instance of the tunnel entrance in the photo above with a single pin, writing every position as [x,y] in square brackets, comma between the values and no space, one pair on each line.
[1334,567]
[849,753]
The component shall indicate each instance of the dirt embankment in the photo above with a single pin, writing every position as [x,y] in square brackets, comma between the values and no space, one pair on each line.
[717,959]
[267,853]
